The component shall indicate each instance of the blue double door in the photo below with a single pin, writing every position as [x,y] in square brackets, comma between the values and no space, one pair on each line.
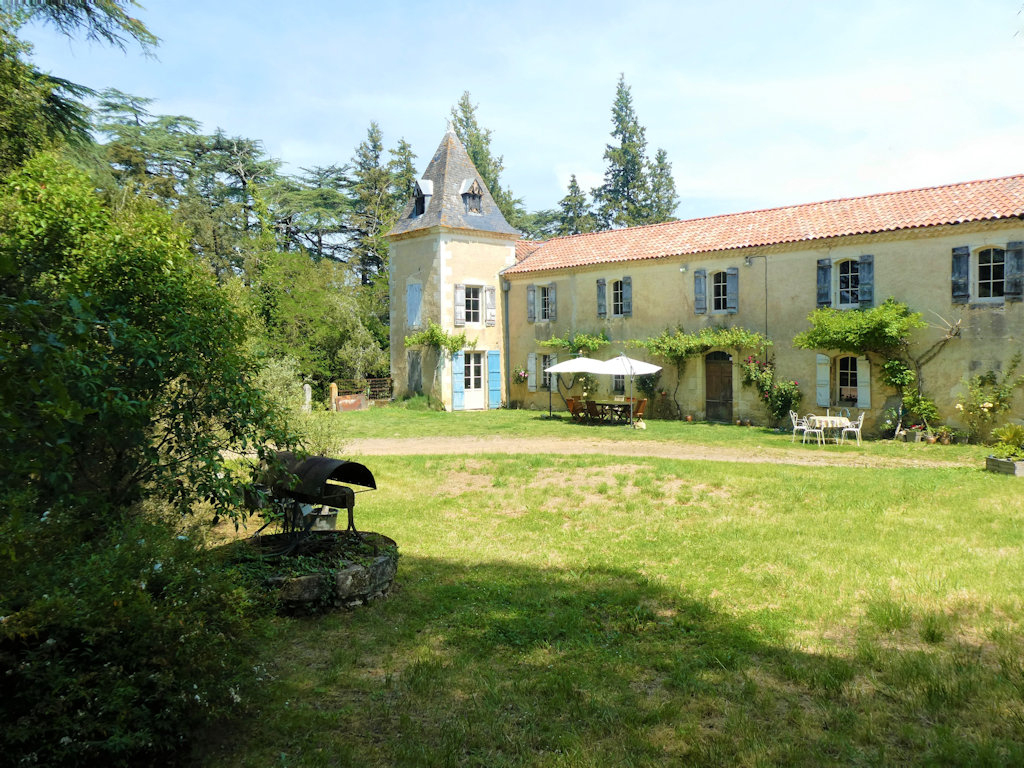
[476,380]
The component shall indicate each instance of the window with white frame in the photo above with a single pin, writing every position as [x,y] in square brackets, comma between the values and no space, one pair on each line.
[848,287]
[472,303]
[545,303]
[618,384]
[545,379]
[474,370]
[991,272]
[988,274]
[846,380]
[719,292]
[617,298]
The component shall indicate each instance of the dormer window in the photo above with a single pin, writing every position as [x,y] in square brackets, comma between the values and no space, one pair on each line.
[472,195]
[421,196]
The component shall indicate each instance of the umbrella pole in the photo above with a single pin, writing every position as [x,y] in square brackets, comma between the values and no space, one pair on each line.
[631,401]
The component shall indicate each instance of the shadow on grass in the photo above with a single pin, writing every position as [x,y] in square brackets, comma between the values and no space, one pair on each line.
[501,664]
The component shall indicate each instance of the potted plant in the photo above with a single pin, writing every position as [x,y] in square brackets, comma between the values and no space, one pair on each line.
[1008,453]
[944,434]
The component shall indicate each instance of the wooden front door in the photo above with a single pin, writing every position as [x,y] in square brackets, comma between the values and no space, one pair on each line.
[718,386]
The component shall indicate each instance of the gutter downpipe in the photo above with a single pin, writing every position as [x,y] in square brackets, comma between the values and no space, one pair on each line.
[505,287]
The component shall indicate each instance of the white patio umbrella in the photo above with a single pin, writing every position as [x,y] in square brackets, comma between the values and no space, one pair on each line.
[627,366]
[574,365]
[577,365]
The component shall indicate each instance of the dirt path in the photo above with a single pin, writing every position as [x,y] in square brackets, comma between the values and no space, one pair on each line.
[418,446]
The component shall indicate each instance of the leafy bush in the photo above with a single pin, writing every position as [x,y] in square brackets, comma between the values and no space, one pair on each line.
[125,366]
[1009,442]
[987,396]
[115,647]
[778,396]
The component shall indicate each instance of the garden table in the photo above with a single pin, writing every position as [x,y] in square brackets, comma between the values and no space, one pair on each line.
[833,424]
[615,410]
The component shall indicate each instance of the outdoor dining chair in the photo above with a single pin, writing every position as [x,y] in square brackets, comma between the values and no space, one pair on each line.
[639,408]
[799,424]
[854,428]
[593,412]
[577,409]
[810,429]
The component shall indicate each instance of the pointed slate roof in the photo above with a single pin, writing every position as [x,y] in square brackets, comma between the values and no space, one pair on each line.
[451,174]
[986,200]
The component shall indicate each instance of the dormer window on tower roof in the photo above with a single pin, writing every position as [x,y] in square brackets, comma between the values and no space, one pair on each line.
[472,195]
[421,196]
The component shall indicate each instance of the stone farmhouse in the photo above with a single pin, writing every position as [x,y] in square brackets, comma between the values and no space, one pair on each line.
[954,253]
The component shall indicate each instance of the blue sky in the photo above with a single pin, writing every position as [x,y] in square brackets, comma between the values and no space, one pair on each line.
[758,104]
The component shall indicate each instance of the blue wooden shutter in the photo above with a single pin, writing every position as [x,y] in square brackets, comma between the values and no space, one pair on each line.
[700,291]
[824,284]
[1013,279]
[460,305]
[602,298]
[961,274]
[627,296]
[490,305]
[531,306]
[552,303]
[413,302]
[866,280]
[458,381]
[732,290]
[493,378]
[823,381]
[531,371]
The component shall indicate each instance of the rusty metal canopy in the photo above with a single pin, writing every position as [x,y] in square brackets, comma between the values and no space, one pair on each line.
[316,478]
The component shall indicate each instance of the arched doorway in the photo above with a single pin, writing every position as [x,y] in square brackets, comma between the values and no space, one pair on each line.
[718,386]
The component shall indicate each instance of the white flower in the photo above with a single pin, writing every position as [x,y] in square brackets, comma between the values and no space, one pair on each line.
[959,406]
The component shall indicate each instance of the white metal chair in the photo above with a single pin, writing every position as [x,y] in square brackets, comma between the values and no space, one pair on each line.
[799,424]
[853,427]
[811,429]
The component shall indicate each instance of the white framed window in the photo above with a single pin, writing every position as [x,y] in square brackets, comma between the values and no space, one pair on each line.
[846,380]
[843,382]
[990,274]
[719,292]
[848,284]
[617,297]
[545,379]
[544,299]
[474,370]
[472,303]
[618,384]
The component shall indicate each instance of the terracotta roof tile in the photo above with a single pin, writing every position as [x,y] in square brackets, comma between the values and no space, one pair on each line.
[525,247]
[887,212]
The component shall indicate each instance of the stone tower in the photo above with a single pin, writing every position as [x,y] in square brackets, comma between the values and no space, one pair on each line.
[447,250]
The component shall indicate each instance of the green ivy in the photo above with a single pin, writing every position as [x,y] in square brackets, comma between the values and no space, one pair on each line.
[778,396]
[435,337]
[677,346]
[883,330]
[578,342]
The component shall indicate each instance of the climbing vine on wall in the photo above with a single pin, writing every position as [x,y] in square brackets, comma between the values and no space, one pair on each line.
[578,342]
[437,338]
[883,331]
[677,346]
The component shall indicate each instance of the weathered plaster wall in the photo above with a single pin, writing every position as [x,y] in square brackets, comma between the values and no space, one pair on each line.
[440,259]
[777,292]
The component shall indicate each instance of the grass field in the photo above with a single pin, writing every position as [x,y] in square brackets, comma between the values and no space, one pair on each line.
[595,611]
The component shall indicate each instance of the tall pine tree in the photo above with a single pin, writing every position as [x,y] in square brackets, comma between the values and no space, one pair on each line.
[575,216]
[662,198]
[635,191]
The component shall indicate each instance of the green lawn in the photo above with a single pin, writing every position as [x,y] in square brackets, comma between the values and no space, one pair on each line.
[594,611]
